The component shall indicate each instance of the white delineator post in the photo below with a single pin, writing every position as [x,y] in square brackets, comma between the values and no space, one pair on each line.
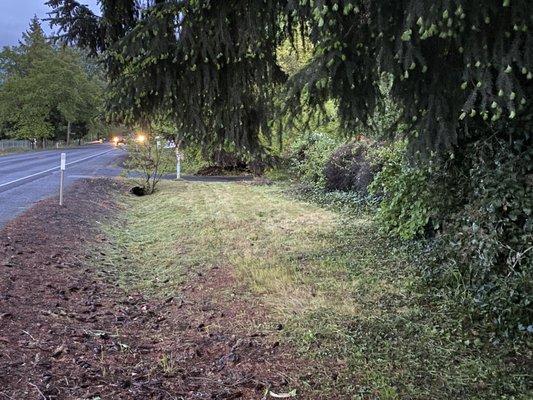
[62,176]
[178,163]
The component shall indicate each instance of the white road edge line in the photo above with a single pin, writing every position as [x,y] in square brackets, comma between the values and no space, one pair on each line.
[52,169]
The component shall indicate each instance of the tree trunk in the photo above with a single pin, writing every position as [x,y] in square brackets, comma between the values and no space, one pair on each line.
[68,133]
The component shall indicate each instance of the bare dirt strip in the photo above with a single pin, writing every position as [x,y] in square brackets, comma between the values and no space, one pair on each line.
[68,331]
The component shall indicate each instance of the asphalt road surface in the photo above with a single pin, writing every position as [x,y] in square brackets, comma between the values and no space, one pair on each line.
[29,177]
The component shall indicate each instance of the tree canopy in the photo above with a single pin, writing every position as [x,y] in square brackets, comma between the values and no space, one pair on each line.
[212,65]
[452,62]
[209,65]
[43,87]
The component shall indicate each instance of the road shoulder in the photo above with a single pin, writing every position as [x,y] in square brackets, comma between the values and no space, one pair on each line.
[68,330]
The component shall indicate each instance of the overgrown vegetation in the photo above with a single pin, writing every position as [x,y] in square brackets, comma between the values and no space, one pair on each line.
[408,203]
[471,213]
[483,258]
[308,157]
[350,168]
[346,296]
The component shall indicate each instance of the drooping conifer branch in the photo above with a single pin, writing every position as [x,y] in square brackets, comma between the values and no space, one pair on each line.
[212,64]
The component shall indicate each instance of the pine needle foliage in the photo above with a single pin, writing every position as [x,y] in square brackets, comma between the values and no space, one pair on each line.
[212,64]
[455,64]
[208,65]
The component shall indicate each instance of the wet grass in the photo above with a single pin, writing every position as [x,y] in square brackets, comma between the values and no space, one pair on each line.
[345,295]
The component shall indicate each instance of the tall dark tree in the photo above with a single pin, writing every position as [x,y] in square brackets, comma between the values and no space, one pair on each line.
[455,64]
[209,66]
[25,104]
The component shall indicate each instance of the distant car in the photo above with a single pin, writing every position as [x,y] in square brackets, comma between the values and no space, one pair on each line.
[119,141]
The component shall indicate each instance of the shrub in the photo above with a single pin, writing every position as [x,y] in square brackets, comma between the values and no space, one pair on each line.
[308,157]
[192,159]
[481,261]
[147,161]
[485,253]
[349,169]
[408,201]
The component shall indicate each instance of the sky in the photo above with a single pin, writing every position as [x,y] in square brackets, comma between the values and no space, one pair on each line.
[15,16]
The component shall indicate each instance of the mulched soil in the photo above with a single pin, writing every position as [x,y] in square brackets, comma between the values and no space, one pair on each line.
[68,331]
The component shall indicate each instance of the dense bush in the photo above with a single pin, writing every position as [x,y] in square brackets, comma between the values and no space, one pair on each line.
[349,168]
[192,159]
[326,163]
[473,206]
[308,157]
[409,202]
[479,204]
[485,253]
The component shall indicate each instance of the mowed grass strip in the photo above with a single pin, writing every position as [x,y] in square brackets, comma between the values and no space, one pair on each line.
[344,294]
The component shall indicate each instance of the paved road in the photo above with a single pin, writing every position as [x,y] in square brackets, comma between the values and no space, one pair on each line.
[29,177]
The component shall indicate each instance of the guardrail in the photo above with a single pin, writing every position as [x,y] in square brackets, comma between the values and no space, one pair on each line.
[20,144]
[8,144]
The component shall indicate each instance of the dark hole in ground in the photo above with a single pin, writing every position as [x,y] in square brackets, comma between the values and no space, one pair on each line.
[138,191]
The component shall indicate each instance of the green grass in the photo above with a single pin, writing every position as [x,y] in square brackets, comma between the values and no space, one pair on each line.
[345,295]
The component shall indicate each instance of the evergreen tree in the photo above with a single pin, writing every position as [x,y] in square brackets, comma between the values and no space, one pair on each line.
[23,103]
[208,66]
[455,64]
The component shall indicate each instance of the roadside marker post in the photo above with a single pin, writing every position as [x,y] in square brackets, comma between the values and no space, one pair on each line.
[178,164]
[62,176]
